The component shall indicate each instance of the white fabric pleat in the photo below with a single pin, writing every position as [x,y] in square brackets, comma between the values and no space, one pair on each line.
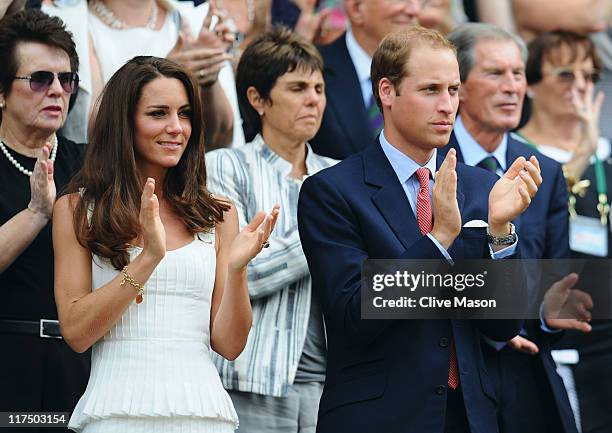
[153,370]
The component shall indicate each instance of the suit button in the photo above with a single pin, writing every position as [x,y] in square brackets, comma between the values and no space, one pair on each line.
[443,342]
[440,389]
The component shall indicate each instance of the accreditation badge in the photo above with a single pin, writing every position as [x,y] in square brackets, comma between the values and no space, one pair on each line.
[588,236]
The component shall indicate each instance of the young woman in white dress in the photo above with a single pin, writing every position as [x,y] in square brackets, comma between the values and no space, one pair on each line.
[150,268]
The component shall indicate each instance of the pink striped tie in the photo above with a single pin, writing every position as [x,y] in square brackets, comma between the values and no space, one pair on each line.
[425,221]
[423,208]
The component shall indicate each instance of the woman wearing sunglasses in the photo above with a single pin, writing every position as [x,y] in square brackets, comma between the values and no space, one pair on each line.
[38,371]
[561,71]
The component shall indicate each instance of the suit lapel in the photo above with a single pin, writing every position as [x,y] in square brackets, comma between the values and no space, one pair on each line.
[511,155]
[390,199]
[453,144]
[344,90]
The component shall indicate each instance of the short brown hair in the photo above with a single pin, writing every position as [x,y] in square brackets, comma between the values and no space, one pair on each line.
[547,47]
[31,25]
[267,57]
[391,58]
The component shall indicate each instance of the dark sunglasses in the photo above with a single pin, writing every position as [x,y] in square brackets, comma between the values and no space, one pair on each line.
[40,81]
[568,76]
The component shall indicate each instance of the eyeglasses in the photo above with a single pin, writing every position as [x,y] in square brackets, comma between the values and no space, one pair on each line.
[568,76]
[40,81]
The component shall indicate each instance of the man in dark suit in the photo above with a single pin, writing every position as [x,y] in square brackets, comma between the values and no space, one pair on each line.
[408,376]
[352,119]
[492,67]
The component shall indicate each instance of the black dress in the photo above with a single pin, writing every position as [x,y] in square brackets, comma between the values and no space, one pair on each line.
[36,374]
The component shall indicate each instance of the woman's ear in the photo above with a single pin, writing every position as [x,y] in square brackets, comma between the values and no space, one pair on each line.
[255,100]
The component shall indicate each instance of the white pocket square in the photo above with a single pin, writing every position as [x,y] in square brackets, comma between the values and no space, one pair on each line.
[476,223]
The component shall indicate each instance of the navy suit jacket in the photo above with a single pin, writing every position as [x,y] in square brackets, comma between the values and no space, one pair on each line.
[390,375]
[543,231]
[345,127]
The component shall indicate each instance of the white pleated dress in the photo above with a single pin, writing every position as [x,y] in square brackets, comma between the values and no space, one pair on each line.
[152,372]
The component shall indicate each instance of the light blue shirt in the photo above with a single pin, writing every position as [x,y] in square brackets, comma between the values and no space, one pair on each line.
[474,153]
[405,169]
[362,63]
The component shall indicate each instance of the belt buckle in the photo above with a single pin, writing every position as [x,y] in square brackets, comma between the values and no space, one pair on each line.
[41,332]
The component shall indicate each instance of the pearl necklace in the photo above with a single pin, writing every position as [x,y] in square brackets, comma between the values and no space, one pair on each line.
[108,17]
[20,167]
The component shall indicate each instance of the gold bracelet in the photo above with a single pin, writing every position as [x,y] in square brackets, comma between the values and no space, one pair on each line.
[127,278]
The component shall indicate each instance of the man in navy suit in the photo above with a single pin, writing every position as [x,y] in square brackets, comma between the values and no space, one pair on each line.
[410,376]
[492,67]
[352,119]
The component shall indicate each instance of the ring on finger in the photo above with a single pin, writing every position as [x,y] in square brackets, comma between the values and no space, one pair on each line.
[266,244]
[201,73]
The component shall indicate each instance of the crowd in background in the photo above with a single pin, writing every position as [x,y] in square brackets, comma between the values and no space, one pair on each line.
[275,105]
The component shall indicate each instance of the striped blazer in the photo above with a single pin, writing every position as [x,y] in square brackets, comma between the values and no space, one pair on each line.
[255,178]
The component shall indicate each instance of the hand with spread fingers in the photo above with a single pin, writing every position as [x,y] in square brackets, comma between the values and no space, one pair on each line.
[588,109]
[153,231]
[310,22]
[252,239]
[447,219]
[206,55]
[567,308]
[42,185]
[512,194]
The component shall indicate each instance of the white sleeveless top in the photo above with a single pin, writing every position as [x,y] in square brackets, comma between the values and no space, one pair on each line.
[155,362]
[114,47]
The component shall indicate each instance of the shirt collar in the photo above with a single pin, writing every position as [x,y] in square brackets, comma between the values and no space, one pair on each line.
[404,166]
[473,152]
[282,165]
[361,60]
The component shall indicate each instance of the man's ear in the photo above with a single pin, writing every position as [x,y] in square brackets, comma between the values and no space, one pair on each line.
[355,11]
[462,93]
[255,100]
[386,92]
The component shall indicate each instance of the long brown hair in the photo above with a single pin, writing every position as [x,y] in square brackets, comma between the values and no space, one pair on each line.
[109,180]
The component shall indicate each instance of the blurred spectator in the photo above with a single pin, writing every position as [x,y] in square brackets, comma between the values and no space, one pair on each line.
[442,15]
[564,124]
[493,85]
[8,7]
[108,33]
[580,16]
[38,371]
[603,43]
[276,383]
[352,119]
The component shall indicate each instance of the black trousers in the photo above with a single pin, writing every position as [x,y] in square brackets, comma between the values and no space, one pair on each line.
[42,375]
[456,417]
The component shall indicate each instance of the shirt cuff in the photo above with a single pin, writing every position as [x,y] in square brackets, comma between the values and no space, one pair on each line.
[543,325]
[503,253]
[441,248]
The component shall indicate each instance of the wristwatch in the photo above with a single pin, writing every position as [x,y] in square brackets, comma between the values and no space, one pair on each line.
[506,240]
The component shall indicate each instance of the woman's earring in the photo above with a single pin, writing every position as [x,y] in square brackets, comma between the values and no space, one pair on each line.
[2,104]
[530,93]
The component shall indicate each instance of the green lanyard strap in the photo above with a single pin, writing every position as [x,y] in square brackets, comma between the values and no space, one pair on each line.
[602,191]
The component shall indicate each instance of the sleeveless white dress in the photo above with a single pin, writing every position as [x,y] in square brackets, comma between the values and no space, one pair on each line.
[152,372]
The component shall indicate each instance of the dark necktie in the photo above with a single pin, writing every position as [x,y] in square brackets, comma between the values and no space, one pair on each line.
[489,163]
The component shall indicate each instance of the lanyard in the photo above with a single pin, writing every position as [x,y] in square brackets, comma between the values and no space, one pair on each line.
[602,191]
